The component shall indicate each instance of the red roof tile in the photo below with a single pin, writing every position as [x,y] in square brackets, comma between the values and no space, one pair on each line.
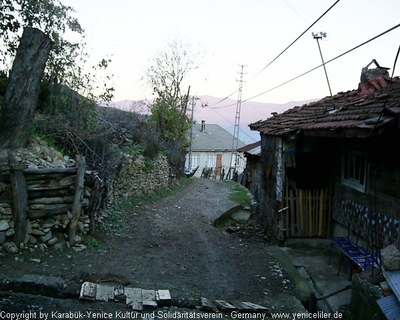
[352,113]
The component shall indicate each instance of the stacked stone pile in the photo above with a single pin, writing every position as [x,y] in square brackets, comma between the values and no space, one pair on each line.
[50,198]
[38,155]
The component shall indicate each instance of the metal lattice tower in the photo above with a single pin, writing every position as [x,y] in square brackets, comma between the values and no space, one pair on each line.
[235,142]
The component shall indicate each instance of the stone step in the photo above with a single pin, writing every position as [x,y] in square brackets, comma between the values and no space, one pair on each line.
[224,306]
[149,299]
[141,299]
[88,291]
[134,298]
[104,293]
[163,297]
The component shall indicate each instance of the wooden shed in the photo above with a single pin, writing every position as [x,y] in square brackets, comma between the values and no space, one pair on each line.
[333,164]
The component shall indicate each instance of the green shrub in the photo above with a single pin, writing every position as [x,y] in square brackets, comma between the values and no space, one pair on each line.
[239,194]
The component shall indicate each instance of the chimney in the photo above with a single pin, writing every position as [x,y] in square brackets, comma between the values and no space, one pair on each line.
[203,126]
[373,79]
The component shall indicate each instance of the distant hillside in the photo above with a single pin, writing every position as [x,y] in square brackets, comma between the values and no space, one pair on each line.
[209,109]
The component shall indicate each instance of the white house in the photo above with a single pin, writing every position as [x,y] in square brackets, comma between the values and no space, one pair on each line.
[212,152]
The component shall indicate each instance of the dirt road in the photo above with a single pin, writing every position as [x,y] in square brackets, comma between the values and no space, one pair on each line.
[171,244]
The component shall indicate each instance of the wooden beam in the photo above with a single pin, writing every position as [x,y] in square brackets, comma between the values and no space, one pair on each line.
[20,201]
[77,204]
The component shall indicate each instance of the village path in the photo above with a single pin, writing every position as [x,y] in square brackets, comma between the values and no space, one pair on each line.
[170,244]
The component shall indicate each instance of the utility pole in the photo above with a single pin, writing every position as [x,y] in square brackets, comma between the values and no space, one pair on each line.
[319,36]
[235,142]
[191,137]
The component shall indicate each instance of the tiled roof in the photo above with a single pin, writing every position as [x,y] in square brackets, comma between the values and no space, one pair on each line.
[212,138]
[355,113]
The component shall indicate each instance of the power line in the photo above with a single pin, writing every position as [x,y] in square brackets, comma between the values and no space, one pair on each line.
[293,42]
[229,121]
[295,11]
[398,52]
[315,68]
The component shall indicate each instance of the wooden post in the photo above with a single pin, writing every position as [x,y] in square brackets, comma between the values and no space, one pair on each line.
[77,204]
[293,204]
[302,215]
[310,216]
[322,211]
[19,200]
[289,208]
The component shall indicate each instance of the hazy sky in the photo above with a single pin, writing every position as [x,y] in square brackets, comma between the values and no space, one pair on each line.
[243,32]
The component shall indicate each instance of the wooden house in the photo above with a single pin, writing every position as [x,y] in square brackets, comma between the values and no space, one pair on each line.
[333,164]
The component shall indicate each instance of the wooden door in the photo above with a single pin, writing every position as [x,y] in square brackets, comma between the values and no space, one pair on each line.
[218,164]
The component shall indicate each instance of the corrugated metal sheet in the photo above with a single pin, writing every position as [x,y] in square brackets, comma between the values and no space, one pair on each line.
[252,148]
[390,307]
[393,280]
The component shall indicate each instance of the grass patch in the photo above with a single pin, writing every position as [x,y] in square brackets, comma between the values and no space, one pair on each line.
[91,243]
[239,194]
[117,216]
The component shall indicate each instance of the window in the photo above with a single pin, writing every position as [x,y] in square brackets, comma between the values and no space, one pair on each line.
[237,162]
[211,160]
[195,161]
[354,170]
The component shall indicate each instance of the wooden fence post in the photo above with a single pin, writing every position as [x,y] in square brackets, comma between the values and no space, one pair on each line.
[77,204]
[19,198]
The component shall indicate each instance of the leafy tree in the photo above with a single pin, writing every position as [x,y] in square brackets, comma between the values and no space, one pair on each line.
[49,16]
[168,111]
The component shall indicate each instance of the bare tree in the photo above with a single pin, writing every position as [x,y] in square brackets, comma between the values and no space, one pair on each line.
[169,70]
[166,76]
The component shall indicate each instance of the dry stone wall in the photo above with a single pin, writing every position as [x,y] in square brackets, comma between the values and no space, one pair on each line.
[138,175]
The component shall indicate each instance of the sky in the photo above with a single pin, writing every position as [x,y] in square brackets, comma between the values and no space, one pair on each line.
[258,34]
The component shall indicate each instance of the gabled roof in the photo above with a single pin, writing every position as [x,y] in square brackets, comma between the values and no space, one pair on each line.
[367,111]
[212,138]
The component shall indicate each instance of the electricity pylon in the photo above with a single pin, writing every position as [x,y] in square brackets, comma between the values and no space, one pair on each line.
[235,142]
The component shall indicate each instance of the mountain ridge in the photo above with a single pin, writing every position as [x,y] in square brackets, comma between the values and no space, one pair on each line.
[222,112]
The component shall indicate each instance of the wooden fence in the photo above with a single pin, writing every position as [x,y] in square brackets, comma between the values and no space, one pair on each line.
[308,212]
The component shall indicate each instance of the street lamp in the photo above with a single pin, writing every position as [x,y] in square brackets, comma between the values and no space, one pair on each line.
[318,36]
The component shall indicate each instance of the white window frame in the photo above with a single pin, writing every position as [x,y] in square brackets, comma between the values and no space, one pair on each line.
[211,160]
[195,161]
[354,170]
[236,160]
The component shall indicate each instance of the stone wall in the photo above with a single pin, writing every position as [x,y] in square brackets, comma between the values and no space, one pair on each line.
[136,175]
[363,303]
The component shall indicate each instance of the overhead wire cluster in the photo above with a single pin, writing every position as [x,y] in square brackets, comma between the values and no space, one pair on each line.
[281,53]
[213,106]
